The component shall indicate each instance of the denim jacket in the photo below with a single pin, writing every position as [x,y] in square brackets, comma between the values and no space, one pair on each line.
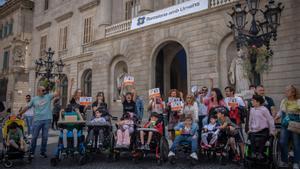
[139,107]
[194,128]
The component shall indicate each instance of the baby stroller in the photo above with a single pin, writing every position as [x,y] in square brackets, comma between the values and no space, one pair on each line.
[103,137]
[10,153]
[159,144]
[69,148]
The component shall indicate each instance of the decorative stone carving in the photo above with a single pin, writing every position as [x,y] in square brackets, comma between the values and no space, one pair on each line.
[19,55]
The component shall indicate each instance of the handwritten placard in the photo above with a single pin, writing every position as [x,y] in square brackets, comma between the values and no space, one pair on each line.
[154,93]
[173,99]
[128,81]
[86,101]
[176,106]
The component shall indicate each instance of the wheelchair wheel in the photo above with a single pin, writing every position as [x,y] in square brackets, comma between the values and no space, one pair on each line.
[83,160]
[172,160]
[276,155]
[7,164]
[163,149]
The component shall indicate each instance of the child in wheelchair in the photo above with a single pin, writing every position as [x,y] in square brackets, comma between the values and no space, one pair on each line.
[154,123]
[261,127]
[96,126]
[125,129]
[188,132]
[230,130]
[210,133]
[15,138]
[71,129]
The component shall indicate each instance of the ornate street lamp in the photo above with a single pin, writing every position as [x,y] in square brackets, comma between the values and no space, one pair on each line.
[260,32]
[48,69]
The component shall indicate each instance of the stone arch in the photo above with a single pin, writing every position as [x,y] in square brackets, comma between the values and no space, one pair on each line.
[118,65]
[86,82]
[154,55]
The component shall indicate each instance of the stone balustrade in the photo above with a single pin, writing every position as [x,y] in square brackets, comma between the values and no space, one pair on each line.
[126,25]
[216,3]
[118,28]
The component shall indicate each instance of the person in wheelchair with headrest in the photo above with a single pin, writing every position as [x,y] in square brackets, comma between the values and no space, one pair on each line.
[101,117]
[71,116]
[261,127]
[188,132]
[15,137]
[155,122]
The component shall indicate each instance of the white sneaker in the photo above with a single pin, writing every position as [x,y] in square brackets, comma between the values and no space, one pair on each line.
[283,164]
[29,136]
[194,156]
[171,153]
[295,166]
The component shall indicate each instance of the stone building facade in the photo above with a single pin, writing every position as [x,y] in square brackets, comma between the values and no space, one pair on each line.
[95,40]
[15,51]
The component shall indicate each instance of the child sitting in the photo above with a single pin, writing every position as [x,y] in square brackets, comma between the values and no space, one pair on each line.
[71,116]
[210,131]
[154,123]
[101,117]
[188,132]
[15,137]
[124,130]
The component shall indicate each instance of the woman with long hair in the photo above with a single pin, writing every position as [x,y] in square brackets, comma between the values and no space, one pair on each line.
[290,112]
[100,102]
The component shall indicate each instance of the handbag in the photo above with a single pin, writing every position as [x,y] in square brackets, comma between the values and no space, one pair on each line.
[294,127]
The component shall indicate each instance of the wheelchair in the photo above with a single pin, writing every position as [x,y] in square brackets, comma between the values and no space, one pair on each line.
[159,145]
[70,151]
[251,161]
[9,154]
[103,138]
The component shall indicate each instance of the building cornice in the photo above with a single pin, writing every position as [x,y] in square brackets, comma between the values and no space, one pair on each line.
[43,26]
[89,5]
[84,56]
[13,5]
[64,16]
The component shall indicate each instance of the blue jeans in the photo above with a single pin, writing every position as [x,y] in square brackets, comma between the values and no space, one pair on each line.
[285,135]
[37,127]
[29,123]
[190,139]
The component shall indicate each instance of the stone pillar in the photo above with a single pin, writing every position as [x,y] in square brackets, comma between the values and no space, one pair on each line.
[147,6]
[103,17]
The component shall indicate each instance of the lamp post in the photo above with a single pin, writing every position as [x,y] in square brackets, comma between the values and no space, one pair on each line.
[48,68]
[260,33]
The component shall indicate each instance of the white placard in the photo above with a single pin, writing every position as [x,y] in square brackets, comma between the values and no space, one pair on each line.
[128,80]
[85,100]
[176,106]
[173,99]
[154,92]
[172,12]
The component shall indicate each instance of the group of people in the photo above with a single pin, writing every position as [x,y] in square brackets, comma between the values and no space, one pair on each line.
[199,117]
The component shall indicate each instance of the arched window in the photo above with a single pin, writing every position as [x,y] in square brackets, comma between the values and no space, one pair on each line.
[87,82]
[64,91]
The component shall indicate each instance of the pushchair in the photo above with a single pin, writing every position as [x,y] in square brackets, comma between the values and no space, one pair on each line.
[9,153]
[67,146]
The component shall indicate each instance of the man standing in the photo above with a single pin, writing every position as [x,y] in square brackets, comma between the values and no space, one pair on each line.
[269,103]
[42,117]
[29,117]
[139,107]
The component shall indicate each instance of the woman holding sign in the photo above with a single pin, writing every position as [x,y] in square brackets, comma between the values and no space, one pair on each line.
[100,102]
[174,109]
[75,99]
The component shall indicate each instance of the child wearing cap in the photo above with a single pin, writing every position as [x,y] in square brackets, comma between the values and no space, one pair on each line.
[125,128]
[153,123]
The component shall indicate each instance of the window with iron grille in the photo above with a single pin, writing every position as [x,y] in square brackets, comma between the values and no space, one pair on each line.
[132,8]
[5,66]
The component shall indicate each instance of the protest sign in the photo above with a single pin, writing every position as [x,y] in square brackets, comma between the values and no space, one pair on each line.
[154,93]
[84,101]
